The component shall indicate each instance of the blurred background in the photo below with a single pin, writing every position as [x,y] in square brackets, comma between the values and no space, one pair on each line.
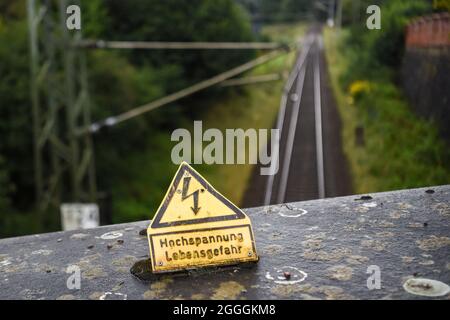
[390,87]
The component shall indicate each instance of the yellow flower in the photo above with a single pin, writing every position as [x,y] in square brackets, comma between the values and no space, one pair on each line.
[358,87]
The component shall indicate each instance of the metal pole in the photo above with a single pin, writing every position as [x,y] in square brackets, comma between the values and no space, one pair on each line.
[67,98]
[88,143]
[34,93]
[53,195]
[331,7]
[68,58]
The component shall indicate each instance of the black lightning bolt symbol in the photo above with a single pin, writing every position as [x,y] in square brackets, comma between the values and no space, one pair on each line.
[194,194]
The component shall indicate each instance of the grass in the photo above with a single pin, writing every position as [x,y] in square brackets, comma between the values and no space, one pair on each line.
[256,109]
[401,150]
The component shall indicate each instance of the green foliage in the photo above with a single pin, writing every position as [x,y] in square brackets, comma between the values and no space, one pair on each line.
[133,159]
[380,51]
[139,187]
[291,9]
[174,20]
[413,153]
[5,187]
[133,168]
[441,5]
[388,45]
[15,115]
[401,150]
[16,185]
[95,18]
[285,10]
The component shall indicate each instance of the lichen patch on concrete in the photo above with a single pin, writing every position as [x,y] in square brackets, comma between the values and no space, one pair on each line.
[228,290]
[313,244]
[284,291]
[66,297]
[384,234]
[334,293]
[323,255]
[11,266]
[157,289]
[433,243]
[386,224]
[198,296]
[407,259]
[159,285]
[272,249]
[95,295]
[340,272]
[5,260]
[93,272]
[442,208]
[397,214]
[356,259]
[124,263]
[404,206]
[376,245]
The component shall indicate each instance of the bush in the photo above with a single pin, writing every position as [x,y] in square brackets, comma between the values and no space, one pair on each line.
[378,52]
[400,149]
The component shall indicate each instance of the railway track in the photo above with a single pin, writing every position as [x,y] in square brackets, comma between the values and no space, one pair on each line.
[311,161]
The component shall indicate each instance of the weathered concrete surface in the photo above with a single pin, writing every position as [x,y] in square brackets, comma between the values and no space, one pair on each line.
[332,242]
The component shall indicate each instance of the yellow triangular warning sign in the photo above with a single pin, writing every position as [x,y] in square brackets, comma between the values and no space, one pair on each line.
[192,200]
[197,226]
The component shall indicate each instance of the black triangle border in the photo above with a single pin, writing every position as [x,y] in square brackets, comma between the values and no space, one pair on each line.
[156,223]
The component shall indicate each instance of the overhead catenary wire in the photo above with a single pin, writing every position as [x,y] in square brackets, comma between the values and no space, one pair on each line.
[252,80]
[114,120]
[161,45]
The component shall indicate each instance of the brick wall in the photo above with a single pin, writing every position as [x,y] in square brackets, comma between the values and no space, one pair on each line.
[429,31]
[425,72]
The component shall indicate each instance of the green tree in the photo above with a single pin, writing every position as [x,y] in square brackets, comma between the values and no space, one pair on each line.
[118,81]
[121,80]
[173,20]
[379,52]
[5,187]
[295,9]
[15,114]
